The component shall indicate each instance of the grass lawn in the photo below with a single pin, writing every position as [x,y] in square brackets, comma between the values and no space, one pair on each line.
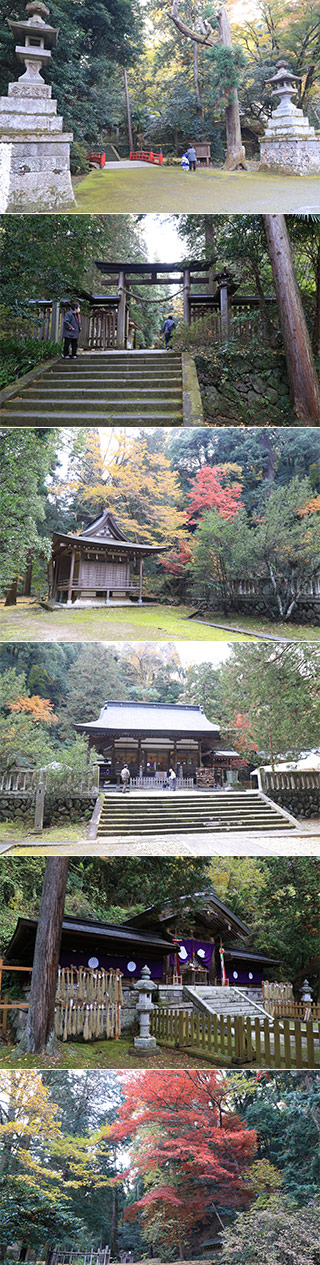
[89,1054]
[22,832]
[168,189]
[28,621]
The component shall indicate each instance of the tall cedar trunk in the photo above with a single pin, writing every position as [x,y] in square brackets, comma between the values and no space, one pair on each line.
[303,381]
[11,594]
[196,79]
[235,151]
[193,15]
[40,1023]
[125,76]
[27,580]
[316,323]
[211,252]
[114,1222]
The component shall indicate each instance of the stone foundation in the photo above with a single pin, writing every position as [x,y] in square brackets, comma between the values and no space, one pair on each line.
[292,157]
[35,174]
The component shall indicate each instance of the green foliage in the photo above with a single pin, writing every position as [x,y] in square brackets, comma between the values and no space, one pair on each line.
[79,160]
[286,1235]
[278,897]
[25,457]
[19,356]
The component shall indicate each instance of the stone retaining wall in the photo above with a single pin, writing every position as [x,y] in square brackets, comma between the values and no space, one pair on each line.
[57,811]
[302,802]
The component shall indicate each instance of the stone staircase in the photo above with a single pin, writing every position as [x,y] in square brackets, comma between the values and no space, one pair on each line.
[113,386]
[205,812]
[214,1000]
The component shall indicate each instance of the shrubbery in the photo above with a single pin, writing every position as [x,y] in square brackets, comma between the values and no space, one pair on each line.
[18,356]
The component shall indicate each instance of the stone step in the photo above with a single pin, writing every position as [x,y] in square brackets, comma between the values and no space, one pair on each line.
[143,416]
[206,811]
[97,394]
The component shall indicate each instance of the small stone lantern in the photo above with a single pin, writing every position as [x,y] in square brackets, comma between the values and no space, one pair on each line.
[306,998]
[144,1043]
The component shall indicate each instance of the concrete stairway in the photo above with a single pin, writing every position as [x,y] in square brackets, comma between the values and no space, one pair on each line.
[153,813]
[214,1000]
[112,386]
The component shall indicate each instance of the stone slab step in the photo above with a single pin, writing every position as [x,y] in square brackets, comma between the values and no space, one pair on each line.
[60,416]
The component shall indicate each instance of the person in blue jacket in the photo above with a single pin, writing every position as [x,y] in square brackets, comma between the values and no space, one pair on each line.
[167,329]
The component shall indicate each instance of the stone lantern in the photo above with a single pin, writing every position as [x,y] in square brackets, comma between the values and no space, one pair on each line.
[289,144]
[144,1043]
[306,998]
[34,150]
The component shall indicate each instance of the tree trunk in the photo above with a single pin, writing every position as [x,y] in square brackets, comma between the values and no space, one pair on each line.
[11,594]
[211,253]
[114,1223]
[315,340]
[235,150]
[40,1022]
[125,76]
[27,580]
[303,382]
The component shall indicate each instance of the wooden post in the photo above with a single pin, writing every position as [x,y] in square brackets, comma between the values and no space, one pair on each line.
[55,321]
[121,324]
[186,296]
[140,580]
[73,558]
[175,754]
[39,808]
[224,309]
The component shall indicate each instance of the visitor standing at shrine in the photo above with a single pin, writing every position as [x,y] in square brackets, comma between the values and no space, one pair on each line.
[192,158]
[71,330]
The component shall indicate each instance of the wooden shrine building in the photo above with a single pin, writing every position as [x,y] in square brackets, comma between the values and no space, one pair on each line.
[99,565]
[151,738]
[173,945]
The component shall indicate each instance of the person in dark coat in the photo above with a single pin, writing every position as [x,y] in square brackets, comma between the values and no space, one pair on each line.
[71,330]
[167,329]
[192,158]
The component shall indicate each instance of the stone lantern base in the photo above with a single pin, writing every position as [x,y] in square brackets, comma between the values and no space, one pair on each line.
[292,156]
[35,173]
[145,1045]
[34,150]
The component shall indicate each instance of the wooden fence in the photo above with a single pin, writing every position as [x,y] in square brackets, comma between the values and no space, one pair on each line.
[91,1257]
[278,1001]
[276,1043]
[35,784]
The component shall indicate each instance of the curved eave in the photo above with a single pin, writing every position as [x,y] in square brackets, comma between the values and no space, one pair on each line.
[86,542]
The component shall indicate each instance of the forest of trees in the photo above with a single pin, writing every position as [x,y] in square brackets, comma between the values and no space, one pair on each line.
[177,86]
[214,497]
[160,1165]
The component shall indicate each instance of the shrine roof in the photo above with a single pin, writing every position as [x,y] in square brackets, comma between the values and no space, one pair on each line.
[155,718]
[104,530]
[25,932]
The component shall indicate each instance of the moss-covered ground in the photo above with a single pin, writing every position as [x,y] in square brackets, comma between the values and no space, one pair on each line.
[168,189]
[22,832]
[28,621]
[89,1054]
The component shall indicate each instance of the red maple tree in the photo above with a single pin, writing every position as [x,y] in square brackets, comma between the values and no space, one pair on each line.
[191,1150]
[209,493]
